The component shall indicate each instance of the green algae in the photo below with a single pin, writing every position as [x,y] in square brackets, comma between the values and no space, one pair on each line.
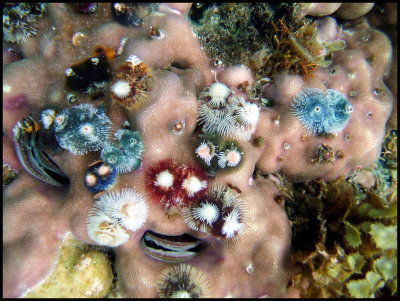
[344,235]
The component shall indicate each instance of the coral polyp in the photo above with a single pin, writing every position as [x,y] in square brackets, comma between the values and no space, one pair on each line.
[19,20]
[229,157]
[131,14]
[130,141]
[132,84]
[91,76]
[127,207]
[121,89]
[311,107]
[113,214]
[162,181]
[104,52]
[223,113]
[103,230]
[126,155]
[321,112]
[177,127]
[82,129]
[212,107]
[247,114]
[120,160]
[182,281]
[193,185]
[241,122]
[47,118]
[99,177]
[206,151]
[206,212]
[219,93]
[341,108]
[176,185]
[324,154]
[217,154]
[194,182]
[232,224]
[111,155]
[219,212]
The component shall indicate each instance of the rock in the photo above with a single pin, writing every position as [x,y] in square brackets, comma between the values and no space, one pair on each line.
[81,271]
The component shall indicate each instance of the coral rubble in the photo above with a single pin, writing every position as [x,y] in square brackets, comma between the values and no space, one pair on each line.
[8,174]
[81,271]
[213,150]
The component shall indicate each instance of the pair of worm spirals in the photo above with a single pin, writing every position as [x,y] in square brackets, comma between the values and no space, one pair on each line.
[223,113]
[322,112]
[126,154]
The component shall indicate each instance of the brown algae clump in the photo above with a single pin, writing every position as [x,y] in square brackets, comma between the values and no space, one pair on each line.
[344,240]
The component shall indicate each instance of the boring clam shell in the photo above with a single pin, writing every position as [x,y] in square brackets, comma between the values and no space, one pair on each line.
[170,248]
